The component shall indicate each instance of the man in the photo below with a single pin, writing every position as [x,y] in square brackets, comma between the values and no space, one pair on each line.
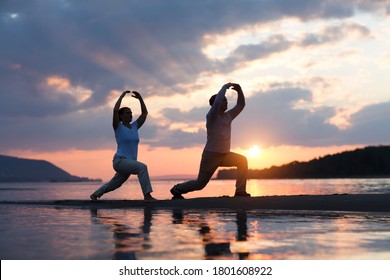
[217,150]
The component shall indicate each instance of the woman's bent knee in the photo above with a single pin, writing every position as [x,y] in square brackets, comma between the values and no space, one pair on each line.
[143,167]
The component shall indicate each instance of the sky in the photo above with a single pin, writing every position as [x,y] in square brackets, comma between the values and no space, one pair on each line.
[314,74]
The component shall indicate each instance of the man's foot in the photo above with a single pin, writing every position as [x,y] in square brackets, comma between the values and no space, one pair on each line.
[149,197]
[242,194]
[176,195]
[93,197]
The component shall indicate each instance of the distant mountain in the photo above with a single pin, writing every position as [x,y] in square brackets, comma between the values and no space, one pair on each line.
[14,169]
[365,162]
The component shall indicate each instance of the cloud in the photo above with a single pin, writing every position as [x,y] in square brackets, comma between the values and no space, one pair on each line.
[60,61]
[274,118]
[270,118]
[106,45]
[246,53]
[177,139]
[279,43]
[333,34]
[369,125]
[86,130]
[177,115]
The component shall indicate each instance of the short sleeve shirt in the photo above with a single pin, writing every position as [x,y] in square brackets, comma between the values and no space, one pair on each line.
[127,140]
[218,133]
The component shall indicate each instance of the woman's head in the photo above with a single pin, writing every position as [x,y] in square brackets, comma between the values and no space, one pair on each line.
[125,114]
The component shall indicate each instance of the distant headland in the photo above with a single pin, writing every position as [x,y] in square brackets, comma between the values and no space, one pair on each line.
[372,161]
[13,169]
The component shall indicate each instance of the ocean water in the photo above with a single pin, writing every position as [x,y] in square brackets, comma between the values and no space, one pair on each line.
[47,232]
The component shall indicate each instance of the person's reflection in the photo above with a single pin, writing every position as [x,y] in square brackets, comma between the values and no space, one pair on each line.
[125,238]
[214,248]
[242,231]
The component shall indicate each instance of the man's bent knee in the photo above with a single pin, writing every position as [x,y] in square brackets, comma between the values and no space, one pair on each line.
[242,162]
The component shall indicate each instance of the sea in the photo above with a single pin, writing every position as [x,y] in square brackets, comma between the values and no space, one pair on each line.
[39,232]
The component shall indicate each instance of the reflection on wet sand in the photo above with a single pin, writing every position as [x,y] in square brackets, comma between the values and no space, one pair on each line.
[172,234]
[132,236]
[127,238]
[152,233]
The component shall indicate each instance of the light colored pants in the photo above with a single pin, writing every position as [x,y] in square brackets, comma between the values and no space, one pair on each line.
[209,164]
[124,168]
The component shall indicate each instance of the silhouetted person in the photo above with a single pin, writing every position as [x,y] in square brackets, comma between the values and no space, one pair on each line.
[242,231]
[214,246]
[125,159]
[125,237]
[217,150]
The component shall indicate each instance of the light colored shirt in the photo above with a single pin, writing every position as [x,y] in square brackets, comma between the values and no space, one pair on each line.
[218,133]
[127,140]
[219,126]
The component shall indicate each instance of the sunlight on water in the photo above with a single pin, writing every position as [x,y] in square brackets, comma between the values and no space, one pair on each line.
[215,188]
[60,233]
[39,232]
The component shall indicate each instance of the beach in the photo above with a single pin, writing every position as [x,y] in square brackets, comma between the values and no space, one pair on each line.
[336,202]
[283,220]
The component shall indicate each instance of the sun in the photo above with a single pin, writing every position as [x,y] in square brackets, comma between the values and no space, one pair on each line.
[254,152]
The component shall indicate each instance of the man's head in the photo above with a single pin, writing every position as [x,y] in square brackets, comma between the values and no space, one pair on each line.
[224,104]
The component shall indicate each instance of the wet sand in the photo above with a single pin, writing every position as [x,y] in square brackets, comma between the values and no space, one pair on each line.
[336,202]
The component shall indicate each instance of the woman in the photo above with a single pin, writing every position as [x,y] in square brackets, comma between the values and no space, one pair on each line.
[125,159]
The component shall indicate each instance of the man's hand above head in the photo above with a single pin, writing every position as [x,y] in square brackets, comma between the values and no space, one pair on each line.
[236,87]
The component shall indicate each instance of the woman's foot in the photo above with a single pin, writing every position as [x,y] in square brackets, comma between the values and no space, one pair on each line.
[148,196]
[93,197]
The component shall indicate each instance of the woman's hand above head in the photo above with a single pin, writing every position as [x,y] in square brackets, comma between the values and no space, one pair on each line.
[115,118]
[144,110]
[136,94]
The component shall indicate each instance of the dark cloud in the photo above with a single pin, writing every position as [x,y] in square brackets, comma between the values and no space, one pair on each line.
[177,115]
[278,43]
[157,41]
[270,118]
[333,34]
[177,139]
[245,53]
[369,125]
[151,45]
[86,130]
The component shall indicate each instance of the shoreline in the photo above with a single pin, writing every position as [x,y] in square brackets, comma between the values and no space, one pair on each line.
[335,202]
